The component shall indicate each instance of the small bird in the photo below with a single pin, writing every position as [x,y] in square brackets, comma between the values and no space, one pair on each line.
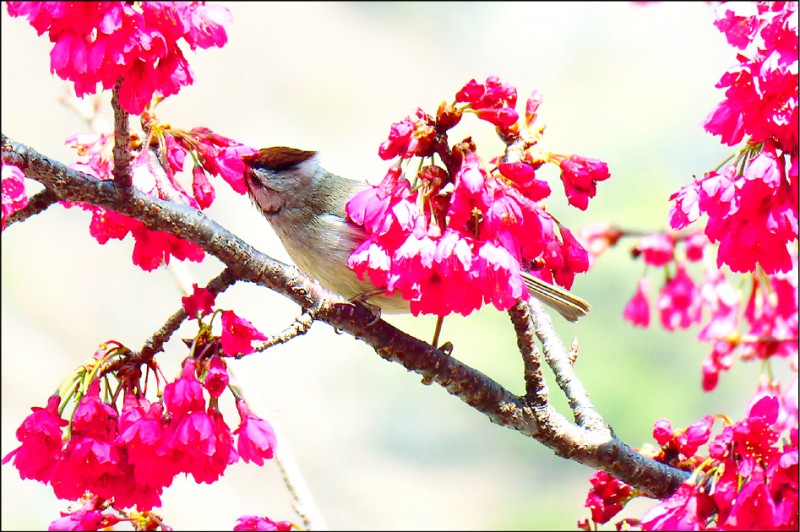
[305,204]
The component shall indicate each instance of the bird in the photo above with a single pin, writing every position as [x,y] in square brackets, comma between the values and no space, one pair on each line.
[305,205]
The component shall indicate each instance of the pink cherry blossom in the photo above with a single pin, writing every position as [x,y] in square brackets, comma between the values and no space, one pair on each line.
[88,516]
[657,249]
[637,311]
[238,334]
[580,176]
[217,378]
[185,394]
[606,497]
[13,194]
[256,440]
[255,522]
[101,42]
[40,434]
[493,101]
[200,301]
[678,302]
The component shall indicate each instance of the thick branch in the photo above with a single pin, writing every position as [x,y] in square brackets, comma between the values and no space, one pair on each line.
[597,448]
[535,385]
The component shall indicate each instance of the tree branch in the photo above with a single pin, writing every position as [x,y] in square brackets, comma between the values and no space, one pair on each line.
[592,444]
[298,327]
[155,343]
[535,386]
[560,361]
[37,203]
[122,141]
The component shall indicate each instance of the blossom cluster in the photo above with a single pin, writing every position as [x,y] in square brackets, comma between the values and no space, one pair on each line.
[751,206]
[751,203]
[237,334]
[745,480]
[757,327]
[455,236]
[103,42]
[125,456]
[129,455]
[212,154]
[747,476]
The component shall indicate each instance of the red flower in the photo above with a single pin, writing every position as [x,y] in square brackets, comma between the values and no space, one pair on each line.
[695,244]
[375,208]
[101,42]
[697,434]
[637,311]
[412,136]
[206,467]
[657,249]
[499,273]
[754,437]
[185,394]
[238,334]
[761,91]
[460,238]
[141,438]
[580,176]
[87,516]
[739,23]
[720,359]
[493,101]
[771,313]
[679,302]
[607,497]
[685,510]
[256,438]
[201,301]
[754,509]
[152,247]
[255,522]
[722,327]
[13,193]
[218,155]
[201,444]
[563,258]
[523,175]
[217,377]
[504,117]
[93,417]
[90,461]
[41,447]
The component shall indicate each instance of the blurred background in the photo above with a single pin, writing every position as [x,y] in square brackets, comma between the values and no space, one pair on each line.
[624,82]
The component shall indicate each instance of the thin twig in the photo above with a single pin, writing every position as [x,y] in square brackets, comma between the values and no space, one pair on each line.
[558,359]
[155,343]
[299,327]
[37,203]
[303,500]
[122,141]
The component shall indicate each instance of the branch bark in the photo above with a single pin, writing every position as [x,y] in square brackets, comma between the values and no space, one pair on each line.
[122,141]
[589,442]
